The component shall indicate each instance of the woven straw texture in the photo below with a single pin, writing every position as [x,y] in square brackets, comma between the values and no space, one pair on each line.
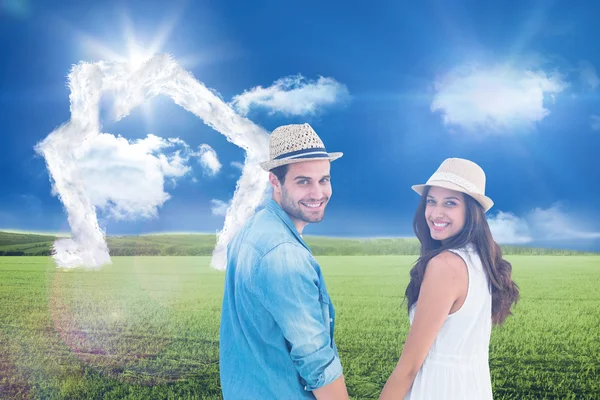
[289,138]
[292,138]
[461,175]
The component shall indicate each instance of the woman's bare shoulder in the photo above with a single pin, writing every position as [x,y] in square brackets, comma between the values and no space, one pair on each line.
[446,265]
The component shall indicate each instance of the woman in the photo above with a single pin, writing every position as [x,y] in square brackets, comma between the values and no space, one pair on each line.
[458,288]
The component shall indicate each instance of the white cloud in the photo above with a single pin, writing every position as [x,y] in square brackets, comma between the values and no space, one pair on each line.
[219,207]
[555,223]
[292,95]
[595,122]
[126,179]
[208,159]
[67,145]
[237,164]
[507,228]
[550,224]
[496,98]
[588,75]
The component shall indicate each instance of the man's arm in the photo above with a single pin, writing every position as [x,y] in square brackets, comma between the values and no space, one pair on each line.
[287,285]
[333,391]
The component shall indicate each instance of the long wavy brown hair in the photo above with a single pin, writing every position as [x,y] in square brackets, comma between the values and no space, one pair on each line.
[476,230]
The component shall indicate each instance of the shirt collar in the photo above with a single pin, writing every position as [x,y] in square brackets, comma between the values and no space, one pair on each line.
[276,209]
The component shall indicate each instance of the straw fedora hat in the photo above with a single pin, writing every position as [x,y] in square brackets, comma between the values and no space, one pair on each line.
[295,143]
[461,175]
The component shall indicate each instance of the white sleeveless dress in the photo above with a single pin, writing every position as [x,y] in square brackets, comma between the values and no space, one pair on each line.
[457,365]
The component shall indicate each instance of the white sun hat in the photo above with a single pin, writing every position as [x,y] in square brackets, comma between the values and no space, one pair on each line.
[295,143]
[461,175]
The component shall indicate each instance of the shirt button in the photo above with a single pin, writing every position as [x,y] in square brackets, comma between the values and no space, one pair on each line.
[330,319]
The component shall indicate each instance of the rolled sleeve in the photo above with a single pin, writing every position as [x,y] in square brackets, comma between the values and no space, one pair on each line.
[287,285]
[329,374]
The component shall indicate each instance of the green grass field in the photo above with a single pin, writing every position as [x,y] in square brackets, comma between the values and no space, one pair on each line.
[147,327]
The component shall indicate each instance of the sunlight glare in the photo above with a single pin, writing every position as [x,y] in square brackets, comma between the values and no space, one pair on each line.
[134,52]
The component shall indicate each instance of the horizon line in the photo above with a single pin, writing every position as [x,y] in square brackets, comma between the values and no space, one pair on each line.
[543,244]
[155,233]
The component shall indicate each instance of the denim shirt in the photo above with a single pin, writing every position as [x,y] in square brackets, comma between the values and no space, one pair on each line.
[277,320]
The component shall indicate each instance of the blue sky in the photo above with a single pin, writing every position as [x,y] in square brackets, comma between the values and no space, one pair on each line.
[512,86]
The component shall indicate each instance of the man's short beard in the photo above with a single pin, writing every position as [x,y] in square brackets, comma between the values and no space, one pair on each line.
[293,209]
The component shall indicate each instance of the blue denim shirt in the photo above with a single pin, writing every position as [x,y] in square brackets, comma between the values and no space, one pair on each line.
[276,333]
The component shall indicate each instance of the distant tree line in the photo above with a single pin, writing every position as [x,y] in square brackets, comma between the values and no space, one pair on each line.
[46,252]
[317,250]
[203,245]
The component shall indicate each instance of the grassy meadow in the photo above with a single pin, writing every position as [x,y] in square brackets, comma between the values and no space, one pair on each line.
[148,327]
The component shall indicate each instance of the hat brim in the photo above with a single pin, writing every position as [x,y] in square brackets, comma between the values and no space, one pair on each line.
[269,165]
[485,201]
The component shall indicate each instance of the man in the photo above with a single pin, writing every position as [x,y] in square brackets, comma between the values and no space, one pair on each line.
[277,321]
